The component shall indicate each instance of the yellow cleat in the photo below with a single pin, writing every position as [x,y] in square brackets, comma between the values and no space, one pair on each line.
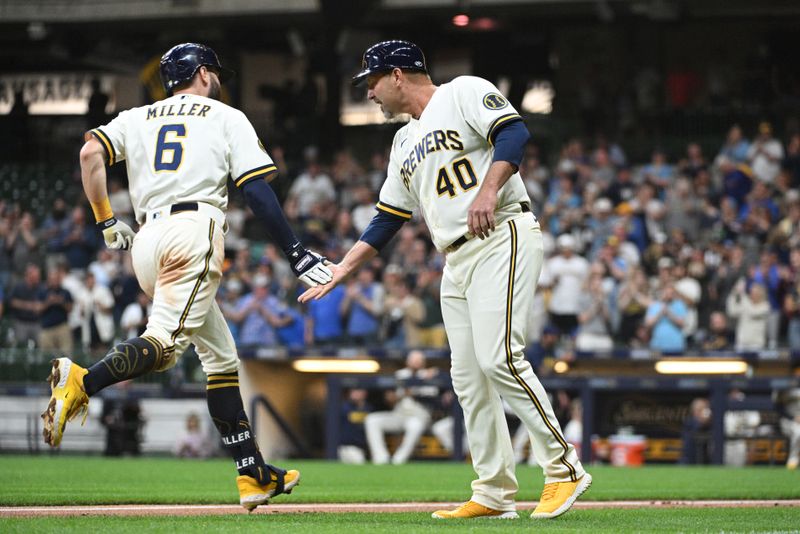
[68,399]
[792,464]
[253,494]
[558,497]
[471,510]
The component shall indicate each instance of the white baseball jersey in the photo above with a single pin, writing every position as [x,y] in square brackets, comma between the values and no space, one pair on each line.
[437,162]
[182,149]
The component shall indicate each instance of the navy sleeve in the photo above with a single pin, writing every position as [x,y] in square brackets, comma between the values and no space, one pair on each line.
[262,200]
[509,143]
[381,229]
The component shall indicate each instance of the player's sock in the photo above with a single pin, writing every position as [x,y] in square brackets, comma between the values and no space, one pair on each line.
[227,412]
[126,360]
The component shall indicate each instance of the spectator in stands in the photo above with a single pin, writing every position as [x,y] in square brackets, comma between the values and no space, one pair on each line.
[105,267]
[78,241]
[565,274]
[765,154]
[658,172]
[25,307]
[97,304]
[751,310]
[633,300]
[719,336]
[254,312]
[364,208]
[623,189]
[362,308]
[665,317]
[410,413]
[694,161]
[22,243]
[737,180]
[312,187]
[736,146]
[118,197]
[352,439]
[291,325]
[689,291]
[696,435]
[788,404]
[134,318]
[57,303]
[228,299]
[323,321]
[768,274]
[431,328]
[791,309]
[594,318]
[194,442]
[560,202]
[791,161]
[543,353]
[404,313]
[786,234]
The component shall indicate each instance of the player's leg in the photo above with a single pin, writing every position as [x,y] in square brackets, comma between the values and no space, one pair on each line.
[413,428]
[514,255]
[257,480]
[376,425]
[178,262]
[484,419]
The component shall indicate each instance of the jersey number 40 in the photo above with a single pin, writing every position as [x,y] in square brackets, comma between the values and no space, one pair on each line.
[169,154]
[464,173]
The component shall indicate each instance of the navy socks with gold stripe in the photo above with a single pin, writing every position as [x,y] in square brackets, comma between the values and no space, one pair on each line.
[227,412]
[129,359]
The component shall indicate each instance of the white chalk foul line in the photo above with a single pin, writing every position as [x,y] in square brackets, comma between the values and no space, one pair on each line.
[215,509]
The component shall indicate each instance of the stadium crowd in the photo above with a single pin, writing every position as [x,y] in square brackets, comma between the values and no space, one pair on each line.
[686,251]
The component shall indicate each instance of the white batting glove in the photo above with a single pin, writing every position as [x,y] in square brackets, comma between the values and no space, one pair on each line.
[309,266]
[117,234]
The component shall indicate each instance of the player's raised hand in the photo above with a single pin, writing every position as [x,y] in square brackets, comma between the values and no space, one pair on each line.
[480,216]
[316,293]
[309,266]
[117,234]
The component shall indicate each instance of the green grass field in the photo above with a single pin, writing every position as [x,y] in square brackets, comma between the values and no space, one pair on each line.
[68,480]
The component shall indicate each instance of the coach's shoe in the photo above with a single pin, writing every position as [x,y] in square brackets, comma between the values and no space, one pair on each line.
[252,494]
[558,497]
[471,510]
[68,399]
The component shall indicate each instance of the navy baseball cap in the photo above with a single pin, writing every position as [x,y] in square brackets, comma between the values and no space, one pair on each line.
[388,55]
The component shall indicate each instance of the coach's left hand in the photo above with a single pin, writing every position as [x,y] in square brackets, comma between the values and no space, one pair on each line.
[480,216]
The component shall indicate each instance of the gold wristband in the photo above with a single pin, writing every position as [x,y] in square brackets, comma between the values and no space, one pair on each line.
[102,210]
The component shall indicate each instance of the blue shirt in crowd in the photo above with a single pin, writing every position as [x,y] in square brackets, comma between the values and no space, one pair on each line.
[667,336]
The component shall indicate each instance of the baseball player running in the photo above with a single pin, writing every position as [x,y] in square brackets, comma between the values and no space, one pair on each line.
[457,161]
[179,153]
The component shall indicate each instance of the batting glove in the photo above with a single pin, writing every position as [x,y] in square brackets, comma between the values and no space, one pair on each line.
[117,234]
[308,266]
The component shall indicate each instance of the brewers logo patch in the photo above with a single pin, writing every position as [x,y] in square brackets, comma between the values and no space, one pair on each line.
[494,101]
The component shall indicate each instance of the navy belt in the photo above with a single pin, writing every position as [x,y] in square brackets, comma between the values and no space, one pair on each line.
[183,206]
[455,245]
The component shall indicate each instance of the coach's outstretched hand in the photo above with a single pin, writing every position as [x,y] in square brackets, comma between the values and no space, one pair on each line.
[117,234]
[316,293]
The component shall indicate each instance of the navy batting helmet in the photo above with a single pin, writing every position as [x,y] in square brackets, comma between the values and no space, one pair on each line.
[181,62]
[389,55]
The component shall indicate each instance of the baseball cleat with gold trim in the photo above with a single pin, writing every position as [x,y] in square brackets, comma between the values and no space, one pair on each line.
[472,510]
[558,497]
[253,494]
[68,399]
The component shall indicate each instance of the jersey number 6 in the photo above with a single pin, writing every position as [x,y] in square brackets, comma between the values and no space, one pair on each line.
[173,148]
[465,175]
